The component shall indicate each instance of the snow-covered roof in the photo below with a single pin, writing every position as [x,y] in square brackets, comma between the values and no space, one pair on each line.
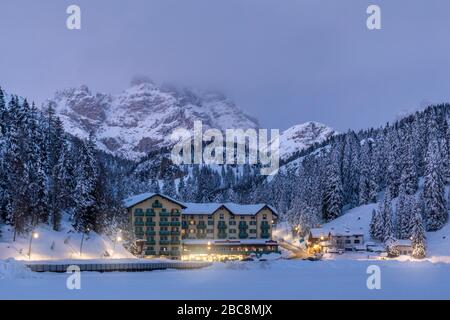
[318,232]
[406,243]
[233,242]
[345,232]
[132,201]
[234,208]
[202,208]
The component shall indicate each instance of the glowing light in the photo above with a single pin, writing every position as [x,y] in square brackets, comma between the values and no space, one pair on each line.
[322,238]
[119,239]
[36,235]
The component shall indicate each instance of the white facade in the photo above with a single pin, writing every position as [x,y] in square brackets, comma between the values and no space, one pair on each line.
[346,240]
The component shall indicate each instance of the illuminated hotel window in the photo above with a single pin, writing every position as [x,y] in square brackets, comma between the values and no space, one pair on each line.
[192,231]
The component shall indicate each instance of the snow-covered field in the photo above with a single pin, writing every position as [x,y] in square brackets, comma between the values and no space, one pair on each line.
[282,279]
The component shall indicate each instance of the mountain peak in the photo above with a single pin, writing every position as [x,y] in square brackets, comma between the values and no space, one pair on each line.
[302,136]
[141,80]
[141,118]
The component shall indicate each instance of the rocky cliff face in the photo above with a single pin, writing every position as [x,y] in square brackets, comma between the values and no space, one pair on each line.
[141,119]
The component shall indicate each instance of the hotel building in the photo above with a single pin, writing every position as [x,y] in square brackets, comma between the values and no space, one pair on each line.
[166,227]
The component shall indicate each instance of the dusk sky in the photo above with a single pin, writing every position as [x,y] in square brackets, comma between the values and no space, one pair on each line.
[285,62]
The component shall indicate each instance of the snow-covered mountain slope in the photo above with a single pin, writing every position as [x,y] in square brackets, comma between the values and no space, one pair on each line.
[301,137]
[358,219]
[64,244]
[142,118]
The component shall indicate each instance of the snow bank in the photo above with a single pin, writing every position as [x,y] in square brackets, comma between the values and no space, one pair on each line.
[57,245]
[12,269]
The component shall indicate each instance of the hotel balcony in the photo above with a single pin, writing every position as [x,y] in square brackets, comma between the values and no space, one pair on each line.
[175,213]
[164,213]
[150,213]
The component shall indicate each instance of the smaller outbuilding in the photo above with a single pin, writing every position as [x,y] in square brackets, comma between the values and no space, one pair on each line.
[404,247]
[346,239]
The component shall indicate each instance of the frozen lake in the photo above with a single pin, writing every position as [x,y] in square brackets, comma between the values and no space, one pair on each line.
[283,279]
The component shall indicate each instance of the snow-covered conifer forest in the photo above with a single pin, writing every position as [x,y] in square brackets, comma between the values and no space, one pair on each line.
[47,172]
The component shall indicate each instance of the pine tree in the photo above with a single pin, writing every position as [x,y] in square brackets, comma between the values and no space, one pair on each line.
[401,213]
[85,205]
[350,169]
[387,214]
[409,174]
[303,216]
[434,193]
[367,183]
[154,186]
[333,200]
[182,192]
[3,173]
[405,208]
[377,225]
[17,207]
[392,247]
[37,189]
[169,188]
[418,237]
[393,170]
[3,114]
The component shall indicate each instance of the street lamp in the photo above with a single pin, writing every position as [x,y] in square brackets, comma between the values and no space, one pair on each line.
[34,235]
[118,239]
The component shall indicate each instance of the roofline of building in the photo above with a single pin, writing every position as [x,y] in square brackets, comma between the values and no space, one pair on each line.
[162,196]
[224,205]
